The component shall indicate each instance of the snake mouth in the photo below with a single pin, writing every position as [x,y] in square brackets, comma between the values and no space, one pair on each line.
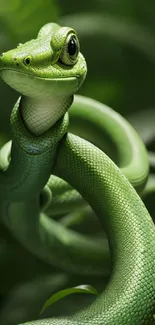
[38,86]
[33,75]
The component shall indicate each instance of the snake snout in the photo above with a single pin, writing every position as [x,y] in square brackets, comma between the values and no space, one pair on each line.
[8,61]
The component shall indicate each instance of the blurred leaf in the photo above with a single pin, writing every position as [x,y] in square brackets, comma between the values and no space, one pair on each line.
[24,18]
[122,30]
[66,292]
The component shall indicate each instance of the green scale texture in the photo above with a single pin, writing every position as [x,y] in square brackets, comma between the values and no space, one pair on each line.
[129,297]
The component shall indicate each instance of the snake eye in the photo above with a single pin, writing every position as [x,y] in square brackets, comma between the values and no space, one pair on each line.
[70,51]
[72,47]
[27,60]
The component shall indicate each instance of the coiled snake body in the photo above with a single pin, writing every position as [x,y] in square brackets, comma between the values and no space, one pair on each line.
[47,72]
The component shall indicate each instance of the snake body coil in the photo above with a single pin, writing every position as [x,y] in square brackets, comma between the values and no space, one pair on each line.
[48,71]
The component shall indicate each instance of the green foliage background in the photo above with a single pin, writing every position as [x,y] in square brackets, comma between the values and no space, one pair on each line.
[118,41]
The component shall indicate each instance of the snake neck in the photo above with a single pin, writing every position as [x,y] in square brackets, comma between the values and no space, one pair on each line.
[40,115]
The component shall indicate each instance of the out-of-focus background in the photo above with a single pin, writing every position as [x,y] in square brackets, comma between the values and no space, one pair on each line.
[118,41]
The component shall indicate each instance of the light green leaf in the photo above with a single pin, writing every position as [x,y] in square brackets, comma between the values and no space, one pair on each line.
[66,292]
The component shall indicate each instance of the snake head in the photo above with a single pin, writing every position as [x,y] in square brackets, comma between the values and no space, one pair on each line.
[50,63]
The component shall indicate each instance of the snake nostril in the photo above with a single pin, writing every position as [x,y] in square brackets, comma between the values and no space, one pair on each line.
[16,61]
[1,55]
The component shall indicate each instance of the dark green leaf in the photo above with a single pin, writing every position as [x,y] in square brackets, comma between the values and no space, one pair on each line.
[66,292]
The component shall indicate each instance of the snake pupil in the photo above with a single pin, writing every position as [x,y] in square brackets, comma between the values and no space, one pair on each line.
[72,46]
[27,61]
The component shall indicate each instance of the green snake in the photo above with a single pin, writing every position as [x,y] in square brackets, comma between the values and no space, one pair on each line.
[47,71]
